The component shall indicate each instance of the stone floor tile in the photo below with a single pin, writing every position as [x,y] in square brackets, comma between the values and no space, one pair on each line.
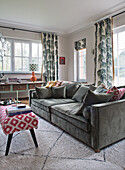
[69,147]
[21,162]
[77,164]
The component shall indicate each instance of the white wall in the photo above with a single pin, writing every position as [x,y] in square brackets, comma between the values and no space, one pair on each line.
[63,71]
[89,35]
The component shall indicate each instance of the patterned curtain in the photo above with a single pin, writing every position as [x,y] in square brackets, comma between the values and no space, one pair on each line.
[103,53]
[80,44]
[50,56]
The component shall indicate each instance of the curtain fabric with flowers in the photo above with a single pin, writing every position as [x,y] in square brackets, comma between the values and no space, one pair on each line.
[50,56]
[80,44]
[103,53]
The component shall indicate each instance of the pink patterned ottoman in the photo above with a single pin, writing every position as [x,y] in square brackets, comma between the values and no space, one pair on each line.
[16,123]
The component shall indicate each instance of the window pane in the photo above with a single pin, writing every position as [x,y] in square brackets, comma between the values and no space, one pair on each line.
[25,64]
[122,72]
[81,73]
[121,38]
[40,50]
[81,61]
[122,58]
[119,57]
[25,50]
[34,50]
[17,49]
[39,65]
[34,60]
[6,64]
[82,64]
[18,64]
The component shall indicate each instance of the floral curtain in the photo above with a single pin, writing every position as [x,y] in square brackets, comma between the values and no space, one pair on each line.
[80,44]
[50,56]
[103,53]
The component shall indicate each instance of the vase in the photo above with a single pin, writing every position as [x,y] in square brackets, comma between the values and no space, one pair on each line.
[33,78]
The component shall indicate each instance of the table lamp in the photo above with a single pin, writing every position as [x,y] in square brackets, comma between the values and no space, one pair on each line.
[33,67]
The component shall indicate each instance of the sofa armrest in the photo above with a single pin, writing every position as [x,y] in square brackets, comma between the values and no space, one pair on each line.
[107,123]
[32,95]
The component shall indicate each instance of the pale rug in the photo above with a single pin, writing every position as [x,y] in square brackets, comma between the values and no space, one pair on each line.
[57,151]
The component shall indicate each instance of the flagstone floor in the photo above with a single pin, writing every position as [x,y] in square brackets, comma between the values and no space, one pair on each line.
[57,151]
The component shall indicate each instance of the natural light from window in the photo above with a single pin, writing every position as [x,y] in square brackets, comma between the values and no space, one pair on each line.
[19,54]
[82,64]
[119,57]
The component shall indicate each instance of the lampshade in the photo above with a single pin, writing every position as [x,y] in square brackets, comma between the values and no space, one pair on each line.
[33,67]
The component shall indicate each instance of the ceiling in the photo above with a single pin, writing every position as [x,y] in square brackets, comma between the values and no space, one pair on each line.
[60,16]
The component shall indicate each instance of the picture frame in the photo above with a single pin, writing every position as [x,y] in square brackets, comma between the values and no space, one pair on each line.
[62,60]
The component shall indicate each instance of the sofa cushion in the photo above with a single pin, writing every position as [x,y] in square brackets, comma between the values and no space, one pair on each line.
[46,103]
[59,92]
[101,89]
[96,98]
[86,112]
[92,87]
[51,84]
[43,93]
[68,113]
[71,89]
[117,93]
[81,92]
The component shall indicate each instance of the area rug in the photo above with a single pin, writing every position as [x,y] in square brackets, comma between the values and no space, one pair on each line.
[57,151]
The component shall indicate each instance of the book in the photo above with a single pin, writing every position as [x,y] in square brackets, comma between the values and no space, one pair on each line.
[21,105]
[11,111]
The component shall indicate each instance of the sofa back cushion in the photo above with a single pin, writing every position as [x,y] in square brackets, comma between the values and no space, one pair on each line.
[59,92]
[43,93]
[80,94]
[96,98]
[51,84]
[71,89]
[117,93]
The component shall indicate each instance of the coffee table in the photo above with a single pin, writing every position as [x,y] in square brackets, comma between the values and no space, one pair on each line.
[12,124]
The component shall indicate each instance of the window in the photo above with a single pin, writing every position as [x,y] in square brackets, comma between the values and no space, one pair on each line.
[19,54]
[119,55]
[80,60]
[82,64]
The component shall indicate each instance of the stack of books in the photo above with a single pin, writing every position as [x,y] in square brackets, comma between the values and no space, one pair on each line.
[18,109]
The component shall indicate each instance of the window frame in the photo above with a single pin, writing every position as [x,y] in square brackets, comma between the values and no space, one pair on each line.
[12,56]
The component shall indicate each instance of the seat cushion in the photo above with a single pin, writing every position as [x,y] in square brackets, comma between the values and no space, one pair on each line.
[46,103]
[68,113]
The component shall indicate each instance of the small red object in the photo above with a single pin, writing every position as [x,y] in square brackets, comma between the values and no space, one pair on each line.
[33,78]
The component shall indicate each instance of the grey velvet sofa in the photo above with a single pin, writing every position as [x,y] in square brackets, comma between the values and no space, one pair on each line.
[105,125]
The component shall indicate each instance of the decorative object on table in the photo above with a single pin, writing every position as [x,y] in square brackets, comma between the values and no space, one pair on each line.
[11,111]
[61,60]
[33,67]
[1,75]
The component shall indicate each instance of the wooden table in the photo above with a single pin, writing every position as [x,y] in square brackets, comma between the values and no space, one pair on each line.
[20,87]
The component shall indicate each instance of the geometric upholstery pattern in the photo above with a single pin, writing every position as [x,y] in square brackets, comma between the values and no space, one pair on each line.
[17,122]
[118,93]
